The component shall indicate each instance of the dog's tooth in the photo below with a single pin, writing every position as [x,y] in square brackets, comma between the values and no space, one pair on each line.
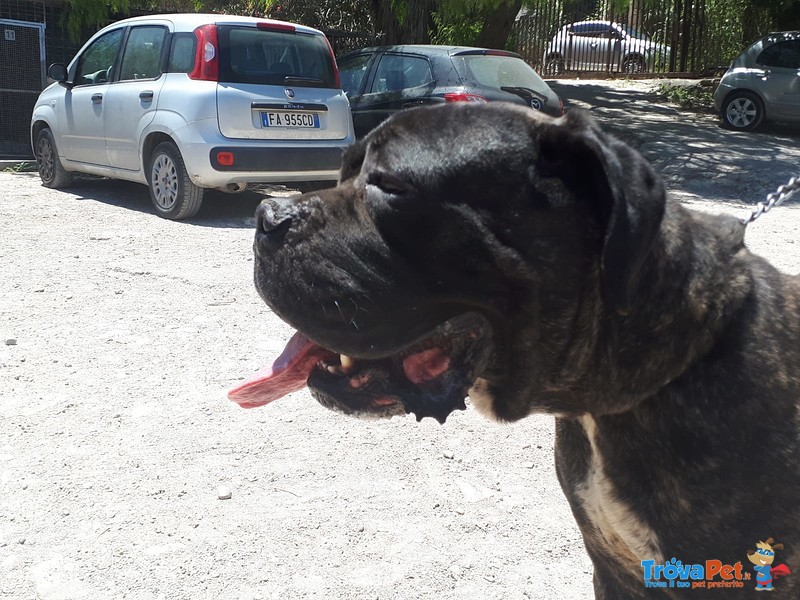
[347,362]
[332,368]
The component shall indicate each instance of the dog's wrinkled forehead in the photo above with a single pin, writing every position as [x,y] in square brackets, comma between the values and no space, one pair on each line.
[426,145]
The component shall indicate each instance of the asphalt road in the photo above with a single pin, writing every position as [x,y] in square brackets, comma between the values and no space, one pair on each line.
[697,158]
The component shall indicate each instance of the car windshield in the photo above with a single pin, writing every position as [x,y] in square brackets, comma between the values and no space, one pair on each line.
[635,33]
[498,72]
[250,55]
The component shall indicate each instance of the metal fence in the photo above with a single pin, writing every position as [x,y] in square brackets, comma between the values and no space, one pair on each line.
[648,36]
[31,37]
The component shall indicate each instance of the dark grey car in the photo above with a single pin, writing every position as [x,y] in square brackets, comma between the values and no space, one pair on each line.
[380,81]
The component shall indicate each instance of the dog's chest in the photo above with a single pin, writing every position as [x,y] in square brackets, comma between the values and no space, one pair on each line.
[615,528]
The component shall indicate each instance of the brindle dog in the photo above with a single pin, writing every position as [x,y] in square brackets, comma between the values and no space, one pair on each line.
[536,265]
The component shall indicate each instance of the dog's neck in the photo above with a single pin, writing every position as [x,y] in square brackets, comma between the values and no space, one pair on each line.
[668,341]
[583,358]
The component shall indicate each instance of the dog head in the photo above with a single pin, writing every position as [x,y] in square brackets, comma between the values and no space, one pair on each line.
[459,250]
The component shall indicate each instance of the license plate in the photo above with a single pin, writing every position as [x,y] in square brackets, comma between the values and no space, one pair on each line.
[301,120]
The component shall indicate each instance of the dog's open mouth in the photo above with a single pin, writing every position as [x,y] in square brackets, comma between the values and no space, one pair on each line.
[430,377]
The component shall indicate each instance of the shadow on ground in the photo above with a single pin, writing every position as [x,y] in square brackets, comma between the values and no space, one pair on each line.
[693,153]
[218,209]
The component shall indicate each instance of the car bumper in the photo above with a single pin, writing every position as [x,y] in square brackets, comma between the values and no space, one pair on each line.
[719,95]
[234,159]
[256,161]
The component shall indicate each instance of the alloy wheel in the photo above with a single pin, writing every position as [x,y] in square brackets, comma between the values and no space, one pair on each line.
[164,178]
[45,159]
[741,112]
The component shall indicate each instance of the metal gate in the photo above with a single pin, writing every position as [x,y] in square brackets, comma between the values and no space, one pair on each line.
[22,78]
[639,36]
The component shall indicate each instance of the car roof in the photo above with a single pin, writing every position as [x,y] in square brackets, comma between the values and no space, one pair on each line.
[190,21]
[437,50]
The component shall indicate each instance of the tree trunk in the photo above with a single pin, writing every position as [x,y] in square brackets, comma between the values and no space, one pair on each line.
[498,24]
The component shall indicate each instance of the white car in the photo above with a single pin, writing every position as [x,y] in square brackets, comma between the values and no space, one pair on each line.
[187,102]
[602,46]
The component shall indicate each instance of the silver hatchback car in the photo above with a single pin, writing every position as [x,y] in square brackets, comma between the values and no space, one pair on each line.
[187,102]
[762,83]
[602,46]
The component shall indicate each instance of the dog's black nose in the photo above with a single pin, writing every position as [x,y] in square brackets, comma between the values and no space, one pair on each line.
[272,223]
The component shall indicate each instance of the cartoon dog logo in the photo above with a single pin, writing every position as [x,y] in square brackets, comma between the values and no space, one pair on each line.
[762,558]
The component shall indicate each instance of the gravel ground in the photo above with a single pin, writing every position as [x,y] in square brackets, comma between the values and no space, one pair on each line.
[121,332]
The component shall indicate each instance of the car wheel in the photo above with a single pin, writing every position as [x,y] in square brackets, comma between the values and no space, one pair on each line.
[742,111]
[49,165]
[173,194]
[633,65]
[554,66]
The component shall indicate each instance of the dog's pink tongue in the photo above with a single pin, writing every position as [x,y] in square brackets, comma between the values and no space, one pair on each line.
[287,374]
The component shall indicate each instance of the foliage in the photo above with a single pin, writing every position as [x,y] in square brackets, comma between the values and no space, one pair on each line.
[456,28]
[91,13]
[687,96]
[22,167]
[724,27]
[348,15]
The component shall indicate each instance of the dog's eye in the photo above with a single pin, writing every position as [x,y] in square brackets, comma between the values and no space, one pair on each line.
[389,184]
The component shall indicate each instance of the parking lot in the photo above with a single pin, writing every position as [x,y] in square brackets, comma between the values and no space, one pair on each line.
[120,333]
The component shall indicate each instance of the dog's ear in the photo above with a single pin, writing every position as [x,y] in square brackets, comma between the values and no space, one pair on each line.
[352,160]
[777,546]
[622,189]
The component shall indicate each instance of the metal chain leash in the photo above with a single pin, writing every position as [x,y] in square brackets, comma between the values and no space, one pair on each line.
[774,199]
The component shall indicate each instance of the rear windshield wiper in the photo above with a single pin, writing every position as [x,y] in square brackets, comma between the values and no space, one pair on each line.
[523,91]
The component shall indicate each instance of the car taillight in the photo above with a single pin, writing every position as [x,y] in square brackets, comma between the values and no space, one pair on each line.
[463,97]
[337,80]
[276,26]
[226,159]
[206,61]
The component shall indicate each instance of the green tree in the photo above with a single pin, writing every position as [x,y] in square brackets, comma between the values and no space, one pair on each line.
[81,14]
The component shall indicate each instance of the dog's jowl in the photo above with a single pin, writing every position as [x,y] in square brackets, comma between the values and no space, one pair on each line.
[535,265]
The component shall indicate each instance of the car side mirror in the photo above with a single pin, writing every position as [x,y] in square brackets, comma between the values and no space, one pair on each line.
[58,72]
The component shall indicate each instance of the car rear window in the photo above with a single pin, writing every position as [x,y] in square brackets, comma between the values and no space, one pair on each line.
[264,56]
[498,72]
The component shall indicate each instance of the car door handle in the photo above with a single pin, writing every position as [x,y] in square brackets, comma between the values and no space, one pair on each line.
[411,103]
[146,96]
[97,98]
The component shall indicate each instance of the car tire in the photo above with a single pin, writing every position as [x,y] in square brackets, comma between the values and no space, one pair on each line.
[173,194]
[742,111]
[52,172]
[633,65]
[554,66]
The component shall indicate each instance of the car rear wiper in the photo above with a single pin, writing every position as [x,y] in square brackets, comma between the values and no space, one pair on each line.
[524,90]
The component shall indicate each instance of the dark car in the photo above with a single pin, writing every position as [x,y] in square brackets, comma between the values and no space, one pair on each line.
[382,80]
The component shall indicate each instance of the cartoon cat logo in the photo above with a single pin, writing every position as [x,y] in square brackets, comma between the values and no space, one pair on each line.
[762,558]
